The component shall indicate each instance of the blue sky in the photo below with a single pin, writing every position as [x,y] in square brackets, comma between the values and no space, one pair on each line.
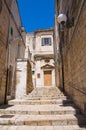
[36,14]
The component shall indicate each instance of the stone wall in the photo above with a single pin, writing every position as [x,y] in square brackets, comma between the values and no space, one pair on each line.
[4,24]
[29,87]
[56,50]
[16,46]
[74,52]
[30,51]
[23,78]
[11,46]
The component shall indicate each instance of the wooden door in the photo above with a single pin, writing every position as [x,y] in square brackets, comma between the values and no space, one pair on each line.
[47,78]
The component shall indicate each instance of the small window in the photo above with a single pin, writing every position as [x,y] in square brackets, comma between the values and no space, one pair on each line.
[0,6]
[38,75]
[11,31]
[33,72]
[46,41]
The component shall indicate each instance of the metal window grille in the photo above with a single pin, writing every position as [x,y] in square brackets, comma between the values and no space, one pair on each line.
[46,41]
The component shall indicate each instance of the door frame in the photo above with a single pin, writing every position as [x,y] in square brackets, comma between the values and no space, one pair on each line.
[46,70]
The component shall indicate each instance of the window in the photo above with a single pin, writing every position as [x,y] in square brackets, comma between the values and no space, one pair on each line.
[38,75]
[11,31]
[46,41]
[33,72]
[0,6]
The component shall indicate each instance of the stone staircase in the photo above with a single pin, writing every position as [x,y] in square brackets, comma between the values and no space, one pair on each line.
[43,109]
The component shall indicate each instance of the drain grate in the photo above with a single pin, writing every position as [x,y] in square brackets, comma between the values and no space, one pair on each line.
[6,116]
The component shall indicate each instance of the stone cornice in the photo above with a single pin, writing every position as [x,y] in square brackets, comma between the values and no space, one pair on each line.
[45,56]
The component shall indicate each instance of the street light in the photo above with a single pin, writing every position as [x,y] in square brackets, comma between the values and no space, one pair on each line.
[65,20]
[62,18]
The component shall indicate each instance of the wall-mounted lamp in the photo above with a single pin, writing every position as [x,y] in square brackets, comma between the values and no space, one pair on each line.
[64,20]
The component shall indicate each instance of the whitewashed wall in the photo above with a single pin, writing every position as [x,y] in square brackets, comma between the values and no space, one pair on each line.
[21,79]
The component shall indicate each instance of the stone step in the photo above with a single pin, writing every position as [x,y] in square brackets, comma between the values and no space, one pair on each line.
[45,97]
[45,94]
[42,120]
[51,96]
[43,109]
[39,109]
[45,91]
[70,127]
[41,102]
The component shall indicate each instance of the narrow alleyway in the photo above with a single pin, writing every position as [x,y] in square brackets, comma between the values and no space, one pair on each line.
[39,54]
[43,109]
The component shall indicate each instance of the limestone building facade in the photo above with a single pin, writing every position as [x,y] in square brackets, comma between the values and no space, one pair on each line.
[24,83]
[16,46]
[72,50]
[4,20]
[12,46]
[42,57]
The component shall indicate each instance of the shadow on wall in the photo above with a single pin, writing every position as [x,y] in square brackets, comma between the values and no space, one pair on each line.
[29,79]
[81,118]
